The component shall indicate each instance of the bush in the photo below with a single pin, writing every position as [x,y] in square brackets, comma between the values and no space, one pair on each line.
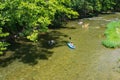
[112,34]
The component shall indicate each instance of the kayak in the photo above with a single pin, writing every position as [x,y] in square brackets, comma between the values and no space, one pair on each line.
[71,45]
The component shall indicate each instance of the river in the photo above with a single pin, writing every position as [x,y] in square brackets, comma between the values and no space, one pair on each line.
[90,60]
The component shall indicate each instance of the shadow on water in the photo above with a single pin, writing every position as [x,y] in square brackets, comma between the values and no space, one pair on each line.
[53,35]
[63,27]
[29,52]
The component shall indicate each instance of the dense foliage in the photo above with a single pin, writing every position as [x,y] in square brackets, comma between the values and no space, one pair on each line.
[93,7]
[112,35]
[3,45]
[29,17]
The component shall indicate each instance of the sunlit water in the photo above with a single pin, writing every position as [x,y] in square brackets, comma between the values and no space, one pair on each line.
[89,61]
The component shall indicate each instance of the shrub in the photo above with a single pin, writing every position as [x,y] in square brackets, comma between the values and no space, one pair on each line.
[112,34]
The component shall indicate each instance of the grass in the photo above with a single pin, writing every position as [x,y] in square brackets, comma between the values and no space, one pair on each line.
[112,34]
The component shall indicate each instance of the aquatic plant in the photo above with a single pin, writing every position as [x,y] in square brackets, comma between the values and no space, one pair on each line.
[112,34]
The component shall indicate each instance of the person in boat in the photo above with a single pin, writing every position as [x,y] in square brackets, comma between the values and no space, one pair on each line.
[85,26]
[51,42]
[71,43]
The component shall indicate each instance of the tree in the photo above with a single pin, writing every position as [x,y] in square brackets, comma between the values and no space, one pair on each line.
[3,44]
[107,5]
[32,16]
[117,6]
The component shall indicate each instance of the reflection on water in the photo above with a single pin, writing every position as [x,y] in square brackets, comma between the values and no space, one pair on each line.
[89,61]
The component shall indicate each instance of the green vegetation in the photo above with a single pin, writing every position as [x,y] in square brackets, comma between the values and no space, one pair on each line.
[93,7]
[3,45]
[112,35]
[29,18]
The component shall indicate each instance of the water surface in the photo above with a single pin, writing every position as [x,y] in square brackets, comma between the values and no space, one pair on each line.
[89,61]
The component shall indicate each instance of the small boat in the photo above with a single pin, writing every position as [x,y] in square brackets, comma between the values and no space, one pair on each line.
[70,45]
